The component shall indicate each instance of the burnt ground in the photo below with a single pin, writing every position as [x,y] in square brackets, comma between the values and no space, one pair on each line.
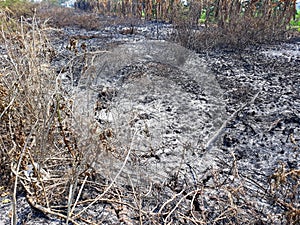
[265,133]
[275,78]
[254,178]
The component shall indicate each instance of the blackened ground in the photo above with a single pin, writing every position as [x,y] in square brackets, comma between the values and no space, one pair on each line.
[267,131]
[255,180]
[264,136]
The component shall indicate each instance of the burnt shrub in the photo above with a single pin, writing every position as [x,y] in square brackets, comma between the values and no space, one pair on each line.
[232,24]
[208,24]
[64,17]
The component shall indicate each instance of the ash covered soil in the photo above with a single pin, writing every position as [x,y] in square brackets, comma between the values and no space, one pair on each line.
[215,136]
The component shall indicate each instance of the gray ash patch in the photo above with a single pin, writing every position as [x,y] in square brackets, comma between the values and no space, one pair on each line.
[264,136]
[165,104]
[188,84]
[155,109]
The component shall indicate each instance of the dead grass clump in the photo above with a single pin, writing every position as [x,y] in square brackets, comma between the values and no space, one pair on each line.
[40,149]
[67,17]
[47,147]
[4,153]
[150,10]
[25,63]
[16,8]
[285,190]
[233,197]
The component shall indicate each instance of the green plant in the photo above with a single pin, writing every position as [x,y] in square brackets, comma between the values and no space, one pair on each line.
[295,23]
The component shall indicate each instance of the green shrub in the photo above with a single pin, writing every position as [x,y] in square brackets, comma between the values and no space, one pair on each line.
[295,23]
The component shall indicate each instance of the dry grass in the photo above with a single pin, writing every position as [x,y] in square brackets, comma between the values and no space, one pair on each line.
[16,9]
[67,17]
[209,24]
[231,24]
[38,138]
